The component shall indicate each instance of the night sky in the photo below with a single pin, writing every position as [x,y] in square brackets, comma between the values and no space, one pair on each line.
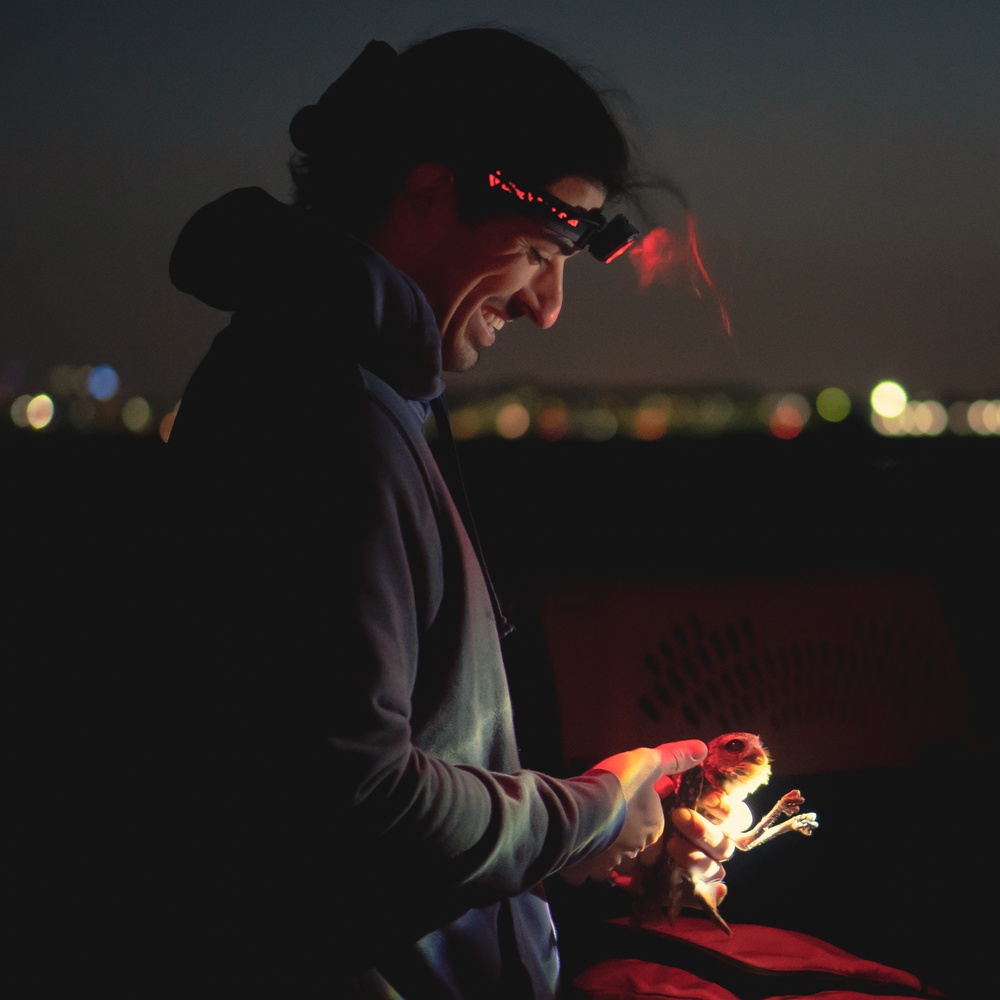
[841,159]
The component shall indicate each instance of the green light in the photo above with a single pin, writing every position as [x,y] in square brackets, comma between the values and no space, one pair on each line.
[833,405]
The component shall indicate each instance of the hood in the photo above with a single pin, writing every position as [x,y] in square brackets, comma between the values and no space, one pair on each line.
[249,254]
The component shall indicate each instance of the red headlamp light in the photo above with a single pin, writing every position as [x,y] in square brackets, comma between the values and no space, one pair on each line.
[605,239]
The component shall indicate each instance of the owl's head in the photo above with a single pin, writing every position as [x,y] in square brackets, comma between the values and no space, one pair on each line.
[737,761]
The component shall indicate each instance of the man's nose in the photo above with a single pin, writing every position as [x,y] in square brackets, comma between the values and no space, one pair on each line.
[542,297]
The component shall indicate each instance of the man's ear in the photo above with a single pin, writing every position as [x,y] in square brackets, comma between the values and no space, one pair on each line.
[426,206]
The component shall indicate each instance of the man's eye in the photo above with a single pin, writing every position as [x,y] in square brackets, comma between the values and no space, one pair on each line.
[537,256]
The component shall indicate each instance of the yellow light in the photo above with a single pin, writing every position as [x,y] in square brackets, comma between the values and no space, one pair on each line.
[512,421]
[888,399]
[137,415]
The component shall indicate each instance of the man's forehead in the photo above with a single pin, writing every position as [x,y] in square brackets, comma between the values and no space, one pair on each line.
[566,226]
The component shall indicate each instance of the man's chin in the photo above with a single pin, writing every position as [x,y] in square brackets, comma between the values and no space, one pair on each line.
[460,359]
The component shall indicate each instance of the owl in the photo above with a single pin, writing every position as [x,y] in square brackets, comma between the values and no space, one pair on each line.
[736,766]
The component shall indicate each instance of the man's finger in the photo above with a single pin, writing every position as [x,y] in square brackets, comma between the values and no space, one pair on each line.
[702,834]
[681,755]
[666,785]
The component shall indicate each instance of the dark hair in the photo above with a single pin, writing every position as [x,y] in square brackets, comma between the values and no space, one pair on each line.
[476,99]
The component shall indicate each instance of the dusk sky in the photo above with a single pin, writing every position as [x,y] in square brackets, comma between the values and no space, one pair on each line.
[842,160]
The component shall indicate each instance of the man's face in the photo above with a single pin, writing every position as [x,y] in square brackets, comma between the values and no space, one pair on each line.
[489,273]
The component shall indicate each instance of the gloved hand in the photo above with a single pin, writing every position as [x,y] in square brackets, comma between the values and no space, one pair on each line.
[641,773]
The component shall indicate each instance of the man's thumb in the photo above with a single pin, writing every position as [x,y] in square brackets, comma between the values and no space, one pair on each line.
[681,755]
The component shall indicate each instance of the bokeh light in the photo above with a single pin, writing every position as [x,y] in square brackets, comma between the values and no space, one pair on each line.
[716,410]
[19,411]
[552,421]
[137,415]
[102,382]
[597,423]
[467,422]
[833,405]
[88,399]
[984,416]
[888,399]
[40,411]
[652,417]
[789,416]
[785,415]
[512,420]
[167,425]
[926,417]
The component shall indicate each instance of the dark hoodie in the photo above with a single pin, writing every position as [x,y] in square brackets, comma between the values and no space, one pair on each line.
[306,304]
[361,825]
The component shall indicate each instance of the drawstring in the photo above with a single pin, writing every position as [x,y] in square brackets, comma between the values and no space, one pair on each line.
[452,472]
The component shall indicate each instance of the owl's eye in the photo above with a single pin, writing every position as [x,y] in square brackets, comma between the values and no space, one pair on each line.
[735,746]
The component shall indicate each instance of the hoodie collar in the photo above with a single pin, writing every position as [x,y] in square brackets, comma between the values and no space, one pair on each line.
[248,253]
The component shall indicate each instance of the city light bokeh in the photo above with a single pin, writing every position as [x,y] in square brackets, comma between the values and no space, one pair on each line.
[93,399]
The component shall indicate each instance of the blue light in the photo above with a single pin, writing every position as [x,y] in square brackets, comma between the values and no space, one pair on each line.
[102,383]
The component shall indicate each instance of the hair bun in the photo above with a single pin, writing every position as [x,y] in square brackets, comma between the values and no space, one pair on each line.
[360,92]
[304,127]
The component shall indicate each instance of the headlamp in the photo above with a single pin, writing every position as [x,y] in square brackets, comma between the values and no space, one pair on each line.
[605,239]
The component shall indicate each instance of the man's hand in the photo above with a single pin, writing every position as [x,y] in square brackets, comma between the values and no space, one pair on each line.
[641,772]
[695,845]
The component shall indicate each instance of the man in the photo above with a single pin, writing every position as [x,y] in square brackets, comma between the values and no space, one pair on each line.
[364,825]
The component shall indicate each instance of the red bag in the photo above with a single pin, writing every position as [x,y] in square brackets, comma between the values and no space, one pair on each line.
[691,960]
